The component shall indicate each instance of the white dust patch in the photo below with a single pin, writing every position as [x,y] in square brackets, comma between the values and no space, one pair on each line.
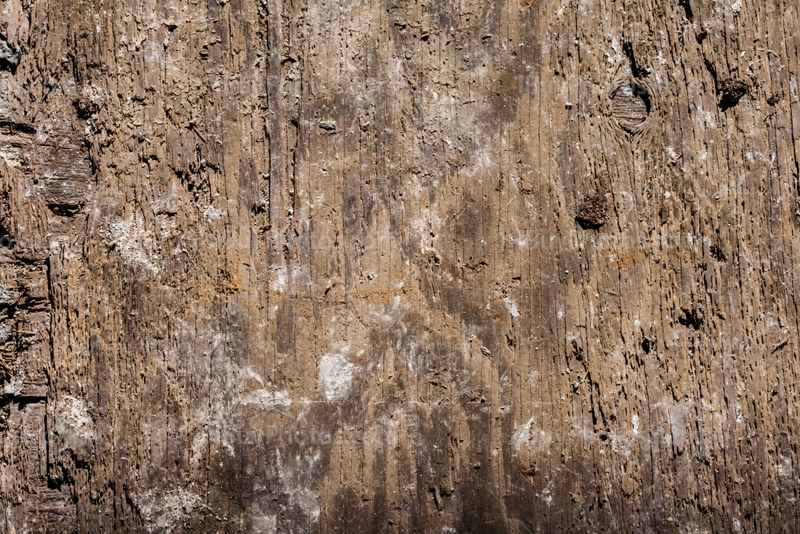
[785,466]
[5,332]
[233,388]
[299,494]
[167,227]
[427,226]
[213,214]
[278,280]
[133,241]
[73,414]
[530,436]
[14,386]
[163,512]
[95,95]
[12,155]
[511,306]
[336,375]
[264,524]
[532,444]
[6,297]
[267,399]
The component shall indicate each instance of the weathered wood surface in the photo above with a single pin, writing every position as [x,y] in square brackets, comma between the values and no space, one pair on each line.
[412,266]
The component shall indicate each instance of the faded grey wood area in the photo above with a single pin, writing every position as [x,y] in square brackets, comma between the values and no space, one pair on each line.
[356,266]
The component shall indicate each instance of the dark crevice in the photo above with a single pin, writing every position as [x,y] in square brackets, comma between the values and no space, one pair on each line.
[717,253]
[642,92]
[64,210]
[711,69]
[637,70]
[85,108]
[691,318]
[687,8]
[13,127]
[730,92]
[10,56]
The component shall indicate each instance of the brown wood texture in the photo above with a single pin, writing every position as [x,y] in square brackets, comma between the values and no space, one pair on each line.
[399,266]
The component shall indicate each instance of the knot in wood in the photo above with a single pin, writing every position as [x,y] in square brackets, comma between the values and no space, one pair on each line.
[593,213]
[630,105]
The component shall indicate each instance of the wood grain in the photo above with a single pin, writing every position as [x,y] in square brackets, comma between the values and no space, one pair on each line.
[291,266]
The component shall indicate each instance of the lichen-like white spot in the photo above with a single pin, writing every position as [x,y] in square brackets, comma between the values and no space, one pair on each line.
[73,421]
[12,156]
[14,386]
[5,295]
[167,226]
[672,156]
[785,466]
[299,494]
[278,281]
[511,306]
[165,511]
[266,523]
[133,241]
[523,434]
[96,95]
[531,445]
[678,426]
[267,399]
[390,314]
[213,214]
[547,495]
[5,332]
[336,375]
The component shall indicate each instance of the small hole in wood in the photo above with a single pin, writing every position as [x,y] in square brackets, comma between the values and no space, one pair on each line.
[730,92]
